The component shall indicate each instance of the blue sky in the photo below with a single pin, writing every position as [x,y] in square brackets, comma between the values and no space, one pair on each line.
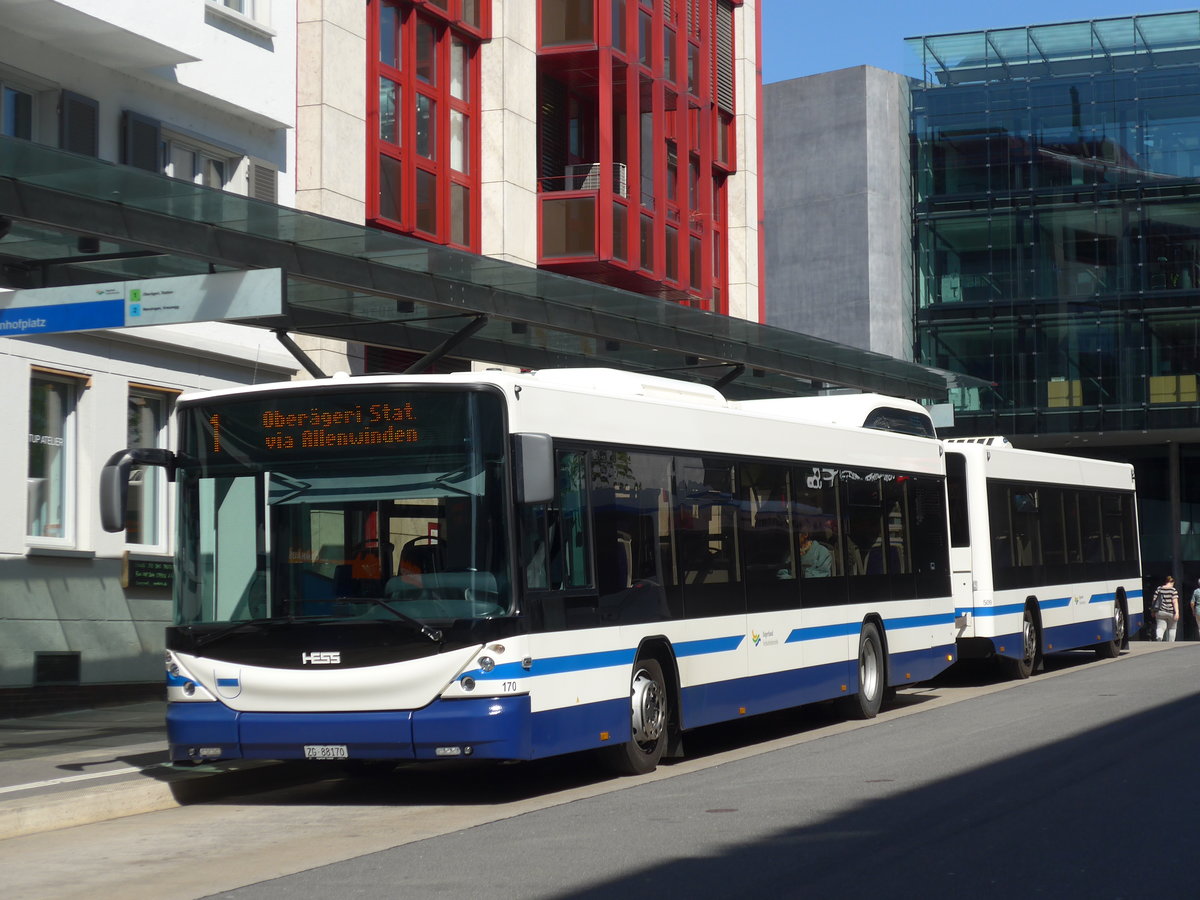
[803,37]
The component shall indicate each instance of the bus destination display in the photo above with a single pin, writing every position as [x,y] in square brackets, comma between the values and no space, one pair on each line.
[341,426]
[336,425]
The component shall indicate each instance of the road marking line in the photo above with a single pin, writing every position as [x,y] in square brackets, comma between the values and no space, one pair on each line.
[67,779]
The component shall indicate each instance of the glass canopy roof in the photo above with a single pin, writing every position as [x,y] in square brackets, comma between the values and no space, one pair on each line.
[1134,42]
[69,219]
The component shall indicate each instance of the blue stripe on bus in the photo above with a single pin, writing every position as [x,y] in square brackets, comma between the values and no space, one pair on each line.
[227,682]
[1005,610]
[557,665]
[1059,603]
[849,629]
[709,645]
[583,662]
[819,632]
[918,621]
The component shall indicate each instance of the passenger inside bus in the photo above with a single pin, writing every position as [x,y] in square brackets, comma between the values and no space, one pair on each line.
[815,559]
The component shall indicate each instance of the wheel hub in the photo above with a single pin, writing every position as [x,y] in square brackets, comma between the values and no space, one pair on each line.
[649,710]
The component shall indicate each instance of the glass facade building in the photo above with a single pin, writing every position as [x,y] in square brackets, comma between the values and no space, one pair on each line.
[1056,179]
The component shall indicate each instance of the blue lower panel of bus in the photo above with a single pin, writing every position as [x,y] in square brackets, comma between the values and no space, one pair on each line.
[920,665]
[493,728]
[1063,637]
[708,704]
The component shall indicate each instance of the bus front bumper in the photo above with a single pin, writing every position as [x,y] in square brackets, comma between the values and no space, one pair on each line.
[481,728]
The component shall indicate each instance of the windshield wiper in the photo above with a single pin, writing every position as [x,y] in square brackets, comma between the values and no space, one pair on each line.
[205,639]
[434,634]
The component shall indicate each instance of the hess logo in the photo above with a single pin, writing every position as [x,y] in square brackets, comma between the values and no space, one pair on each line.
[322,658]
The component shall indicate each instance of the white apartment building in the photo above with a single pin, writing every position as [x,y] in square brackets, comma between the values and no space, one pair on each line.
[196,90]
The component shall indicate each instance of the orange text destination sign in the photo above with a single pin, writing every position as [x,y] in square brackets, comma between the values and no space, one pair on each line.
[331,425]
[356,426]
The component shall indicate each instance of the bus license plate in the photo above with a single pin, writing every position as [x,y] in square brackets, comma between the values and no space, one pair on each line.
[325,751]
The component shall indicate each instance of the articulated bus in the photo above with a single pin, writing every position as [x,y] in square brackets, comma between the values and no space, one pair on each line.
[1044,551]
[513,566]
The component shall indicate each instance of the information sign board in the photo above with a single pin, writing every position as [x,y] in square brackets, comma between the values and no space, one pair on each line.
[150,301]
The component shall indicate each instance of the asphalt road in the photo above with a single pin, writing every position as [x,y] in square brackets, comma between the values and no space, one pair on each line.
[1074,783]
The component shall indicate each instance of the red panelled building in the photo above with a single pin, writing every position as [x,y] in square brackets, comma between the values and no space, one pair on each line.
[616,125]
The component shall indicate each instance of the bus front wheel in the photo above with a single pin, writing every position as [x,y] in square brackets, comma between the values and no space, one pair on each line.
[649,718]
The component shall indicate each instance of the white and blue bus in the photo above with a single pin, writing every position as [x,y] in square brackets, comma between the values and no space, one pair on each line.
[513,566]
[1044,552]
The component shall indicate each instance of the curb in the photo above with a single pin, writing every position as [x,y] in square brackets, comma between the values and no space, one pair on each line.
[155,788]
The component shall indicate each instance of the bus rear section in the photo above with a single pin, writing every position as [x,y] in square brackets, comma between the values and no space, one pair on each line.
[1044,553]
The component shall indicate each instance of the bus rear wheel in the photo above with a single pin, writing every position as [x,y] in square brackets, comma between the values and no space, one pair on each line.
[872,674]
[1023,667]
[650,709]
[1112,649]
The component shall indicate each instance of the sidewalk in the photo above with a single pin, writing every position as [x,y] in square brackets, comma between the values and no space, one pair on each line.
[90,765]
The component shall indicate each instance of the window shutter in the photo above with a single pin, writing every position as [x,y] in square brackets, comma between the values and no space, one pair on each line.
[263,182]
[141,141]
[723,70]
[79,124]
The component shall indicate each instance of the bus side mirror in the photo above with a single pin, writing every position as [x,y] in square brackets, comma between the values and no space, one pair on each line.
[534,458]
[114,481]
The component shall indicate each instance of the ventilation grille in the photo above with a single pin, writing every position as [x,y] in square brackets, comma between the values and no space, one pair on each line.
[723,70]
[263,183]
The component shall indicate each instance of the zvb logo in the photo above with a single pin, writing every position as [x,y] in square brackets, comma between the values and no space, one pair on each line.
[322,658]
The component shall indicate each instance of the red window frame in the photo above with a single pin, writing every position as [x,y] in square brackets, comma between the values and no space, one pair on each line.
[686,125]
[426,175]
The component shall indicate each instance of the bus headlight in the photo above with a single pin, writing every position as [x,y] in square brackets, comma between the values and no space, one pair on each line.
[486,664]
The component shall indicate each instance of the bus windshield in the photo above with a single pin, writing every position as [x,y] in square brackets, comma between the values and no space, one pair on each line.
[292,509]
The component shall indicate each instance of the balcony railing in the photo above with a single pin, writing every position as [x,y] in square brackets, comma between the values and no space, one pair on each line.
[586,177]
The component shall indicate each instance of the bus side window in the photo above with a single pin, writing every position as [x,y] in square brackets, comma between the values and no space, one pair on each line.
[956,493]
[631,529]
[570,562]
[554,545]
[926,503]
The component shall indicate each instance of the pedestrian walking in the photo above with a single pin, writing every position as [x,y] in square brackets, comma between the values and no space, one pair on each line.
[1166,609]
[1196,607]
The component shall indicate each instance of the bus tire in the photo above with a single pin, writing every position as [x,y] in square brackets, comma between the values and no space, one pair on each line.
[1030,648]
[650,715]
[872,674]
[1112,649]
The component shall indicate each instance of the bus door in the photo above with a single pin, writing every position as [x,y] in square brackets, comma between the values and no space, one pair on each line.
[961,556]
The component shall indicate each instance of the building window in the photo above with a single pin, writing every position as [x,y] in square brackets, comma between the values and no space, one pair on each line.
[248,12]
[50,487]
[424,131]
[146,419]
[16,112]
[200,165]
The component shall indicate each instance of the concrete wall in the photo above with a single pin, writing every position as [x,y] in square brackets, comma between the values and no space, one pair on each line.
[837,208]
[508,126]
[742,189]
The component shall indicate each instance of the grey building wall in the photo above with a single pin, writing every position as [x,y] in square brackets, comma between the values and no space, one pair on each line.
[838,221]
